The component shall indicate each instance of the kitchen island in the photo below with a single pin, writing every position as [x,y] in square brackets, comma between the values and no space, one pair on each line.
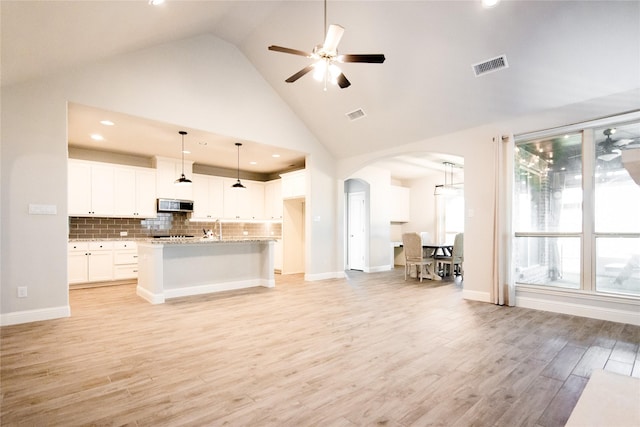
[182,267]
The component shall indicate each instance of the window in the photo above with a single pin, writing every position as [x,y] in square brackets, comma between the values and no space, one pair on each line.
[577,210]
[617,212]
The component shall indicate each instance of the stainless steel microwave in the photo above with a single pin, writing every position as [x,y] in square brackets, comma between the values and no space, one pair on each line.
[175,205]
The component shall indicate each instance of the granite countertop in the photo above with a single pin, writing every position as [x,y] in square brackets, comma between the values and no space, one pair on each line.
[206,241]
[180,240]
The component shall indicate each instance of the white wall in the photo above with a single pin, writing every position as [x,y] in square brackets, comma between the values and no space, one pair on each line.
[203,83]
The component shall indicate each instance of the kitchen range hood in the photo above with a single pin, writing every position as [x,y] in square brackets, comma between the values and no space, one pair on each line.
[174,205]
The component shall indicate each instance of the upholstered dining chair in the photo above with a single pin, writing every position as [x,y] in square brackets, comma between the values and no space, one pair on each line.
[454,262]
[412,245]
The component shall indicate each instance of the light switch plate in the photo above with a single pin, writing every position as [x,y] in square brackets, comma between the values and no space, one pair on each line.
[38,209]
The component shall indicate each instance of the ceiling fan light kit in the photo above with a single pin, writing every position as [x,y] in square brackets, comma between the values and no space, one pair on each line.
[326,57]
[183,179]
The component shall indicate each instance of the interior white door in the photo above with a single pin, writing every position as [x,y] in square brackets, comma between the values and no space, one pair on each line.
[356,230]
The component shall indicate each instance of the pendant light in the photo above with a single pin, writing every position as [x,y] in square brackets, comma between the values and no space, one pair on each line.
[183,179]
[238,184]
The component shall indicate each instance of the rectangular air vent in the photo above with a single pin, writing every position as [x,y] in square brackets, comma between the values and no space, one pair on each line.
[490,65]
[356,114]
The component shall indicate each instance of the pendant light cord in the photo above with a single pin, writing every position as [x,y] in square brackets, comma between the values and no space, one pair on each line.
[182,154]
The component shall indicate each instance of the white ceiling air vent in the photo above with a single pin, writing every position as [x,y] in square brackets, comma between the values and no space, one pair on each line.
[356,114]
[490,65]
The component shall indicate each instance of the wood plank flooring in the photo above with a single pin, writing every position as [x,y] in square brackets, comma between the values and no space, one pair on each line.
[371,349]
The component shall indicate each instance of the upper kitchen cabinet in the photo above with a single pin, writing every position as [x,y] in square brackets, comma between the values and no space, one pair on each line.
[400,204]
[273,199]
[167,171]
[91,189]
[294,184]
[135,192]
[208,197]
[247,203]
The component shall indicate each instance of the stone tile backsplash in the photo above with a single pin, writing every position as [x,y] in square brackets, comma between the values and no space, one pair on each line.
[175,224]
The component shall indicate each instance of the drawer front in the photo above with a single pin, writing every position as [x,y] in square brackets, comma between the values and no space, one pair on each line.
[125,244]
[78,246]
[125,257]
[96,246]
[121,272]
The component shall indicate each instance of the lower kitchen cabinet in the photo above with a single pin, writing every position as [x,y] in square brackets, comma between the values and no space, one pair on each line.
[125,260]
[102,261]
[90,262]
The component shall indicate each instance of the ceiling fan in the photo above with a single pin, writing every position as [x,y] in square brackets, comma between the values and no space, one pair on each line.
[610,148]
[326,56]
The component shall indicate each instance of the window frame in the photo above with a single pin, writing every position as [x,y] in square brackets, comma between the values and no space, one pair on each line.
[588,235]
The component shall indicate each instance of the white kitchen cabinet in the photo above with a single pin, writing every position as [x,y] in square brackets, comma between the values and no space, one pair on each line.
[90,189]
[97,265]
[125,260]
[400,204]
[208,197]
[135,192]
[247,203]
[273,199]
[78,264]
[294,184]
[167,171]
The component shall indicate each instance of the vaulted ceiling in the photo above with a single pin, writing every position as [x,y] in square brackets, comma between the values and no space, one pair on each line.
[558,53]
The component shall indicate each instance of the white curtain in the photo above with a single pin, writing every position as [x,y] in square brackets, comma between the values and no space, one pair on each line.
[503,292]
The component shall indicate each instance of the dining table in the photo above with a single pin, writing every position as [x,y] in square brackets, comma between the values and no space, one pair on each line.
[434,251]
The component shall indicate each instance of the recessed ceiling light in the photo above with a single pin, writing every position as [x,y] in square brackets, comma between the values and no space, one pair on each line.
[488,4]
[107,122]
[186,151]
[253,163]
[97,137]
[202,143]
[155,2]
[275,155]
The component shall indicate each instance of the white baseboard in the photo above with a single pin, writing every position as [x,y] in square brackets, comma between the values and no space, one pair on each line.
[476,295]
[217,287]
[28,316]
[324,276]
[630,316]
[378,269]
[148,296]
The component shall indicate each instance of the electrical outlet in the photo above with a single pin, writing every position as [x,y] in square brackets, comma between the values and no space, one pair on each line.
[124,234]
[22,291]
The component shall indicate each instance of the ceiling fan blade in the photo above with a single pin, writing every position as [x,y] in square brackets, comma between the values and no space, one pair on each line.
[343,82]
[334,34]
[299,74]
[371,58]
[288,50]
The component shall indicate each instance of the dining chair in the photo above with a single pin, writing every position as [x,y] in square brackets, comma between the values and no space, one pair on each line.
[425,237]
[454,262]
[412,245]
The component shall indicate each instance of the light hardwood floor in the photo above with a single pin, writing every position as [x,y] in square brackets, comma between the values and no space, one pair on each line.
[371,349]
